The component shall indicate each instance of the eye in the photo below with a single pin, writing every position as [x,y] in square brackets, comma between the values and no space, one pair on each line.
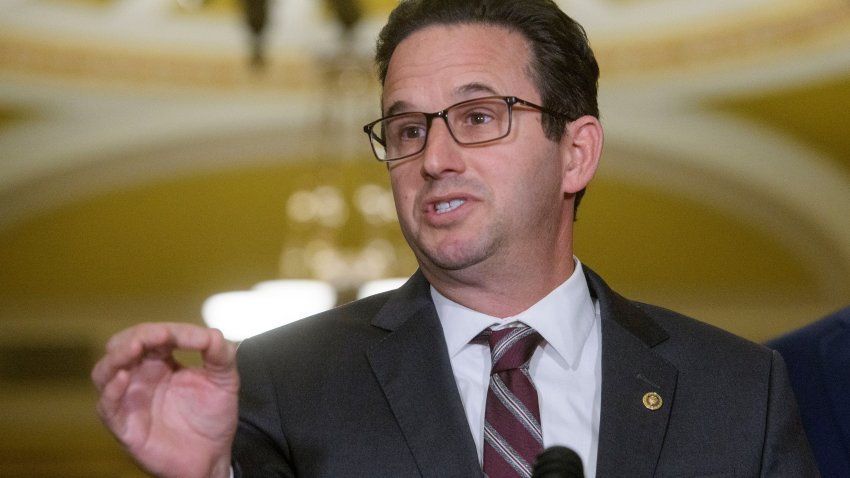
[406,128]
[477,117]
[411,132]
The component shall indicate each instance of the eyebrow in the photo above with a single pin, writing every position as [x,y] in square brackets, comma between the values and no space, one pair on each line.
[397,107]
[463,90]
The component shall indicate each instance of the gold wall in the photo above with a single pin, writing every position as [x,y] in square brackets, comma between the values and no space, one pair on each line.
[144,166]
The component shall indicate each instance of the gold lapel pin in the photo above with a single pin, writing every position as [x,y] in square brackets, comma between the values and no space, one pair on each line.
[652,401]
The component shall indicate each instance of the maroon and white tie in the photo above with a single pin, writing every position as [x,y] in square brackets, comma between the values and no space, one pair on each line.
[512,434]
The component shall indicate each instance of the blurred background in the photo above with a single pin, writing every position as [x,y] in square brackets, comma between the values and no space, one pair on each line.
[154,153]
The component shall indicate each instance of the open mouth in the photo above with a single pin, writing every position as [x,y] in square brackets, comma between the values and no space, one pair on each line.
[447,206]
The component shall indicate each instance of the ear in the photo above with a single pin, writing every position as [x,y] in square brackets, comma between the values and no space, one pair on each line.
[581,148]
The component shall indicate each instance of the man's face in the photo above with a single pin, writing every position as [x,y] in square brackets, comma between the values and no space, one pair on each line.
[499,204]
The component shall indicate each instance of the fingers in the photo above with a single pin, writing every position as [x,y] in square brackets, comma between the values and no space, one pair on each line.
[220,354]
[220,361]
[156,340]
[138,374]
[111,393]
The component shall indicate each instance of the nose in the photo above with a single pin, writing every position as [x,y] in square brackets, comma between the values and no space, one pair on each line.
[442,156]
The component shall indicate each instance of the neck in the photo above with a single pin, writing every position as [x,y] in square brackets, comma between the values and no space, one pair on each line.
[502,291]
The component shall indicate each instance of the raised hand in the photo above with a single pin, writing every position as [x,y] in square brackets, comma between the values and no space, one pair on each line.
[175,421]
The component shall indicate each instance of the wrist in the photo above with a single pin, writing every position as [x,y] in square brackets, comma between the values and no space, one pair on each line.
[222,468]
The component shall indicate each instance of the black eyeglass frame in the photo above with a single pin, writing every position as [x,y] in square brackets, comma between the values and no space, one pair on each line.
[509,100]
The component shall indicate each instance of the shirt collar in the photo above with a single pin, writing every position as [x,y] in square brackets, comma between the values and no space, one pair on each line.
[563,318]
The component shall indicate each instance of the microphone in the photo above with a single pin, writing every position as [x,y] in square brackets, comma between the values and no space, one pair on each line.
[558,462]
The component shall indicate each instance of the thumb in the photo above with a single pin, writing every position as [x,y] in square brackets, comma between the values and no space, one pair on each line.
[220,357]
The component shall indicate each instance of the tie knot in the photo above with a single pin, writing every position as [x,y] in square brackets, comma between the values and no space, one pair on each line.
[512,348]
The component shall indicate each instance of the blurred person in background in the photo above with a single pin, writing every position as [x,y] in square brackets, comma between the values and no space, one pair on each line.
[818,359]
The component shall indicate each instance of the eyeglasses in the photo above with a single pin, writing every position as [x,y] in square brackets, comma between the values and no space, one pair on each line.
[470,122]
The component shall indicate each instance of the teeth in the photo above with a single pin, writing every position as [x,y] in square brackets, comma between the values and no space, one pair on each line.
[447,206]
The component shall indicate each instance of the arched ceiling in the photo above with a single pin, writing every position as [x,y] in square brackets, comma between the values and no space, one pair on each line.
[144,165]
[726,127]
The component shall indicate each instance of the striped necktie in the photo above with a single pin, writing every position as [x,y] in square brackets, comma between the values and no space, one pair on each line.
[512,432]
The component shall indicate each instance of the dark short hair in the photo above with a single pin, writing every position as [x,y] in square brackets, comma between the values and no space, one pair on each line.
[562,64]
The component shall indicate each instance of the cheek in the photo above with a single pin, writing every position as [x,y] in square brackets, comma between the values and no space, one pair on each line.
[537,179]
[403,195]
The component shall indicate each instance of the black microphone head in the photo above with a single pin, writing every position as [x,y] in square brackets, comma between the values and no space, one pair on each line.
[558,462]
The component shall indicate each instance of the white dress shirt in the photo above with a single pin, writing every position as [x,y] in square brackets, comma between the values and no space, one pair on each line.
[566,369]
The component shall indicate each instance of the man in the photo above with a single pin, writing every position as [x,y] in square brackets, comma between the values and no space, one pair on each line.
[818,358]
[400,384]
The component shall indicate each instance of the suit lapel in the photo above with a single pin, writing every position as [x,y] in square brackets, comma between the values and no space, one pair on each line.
[835,362]
[412,366]
[632,424]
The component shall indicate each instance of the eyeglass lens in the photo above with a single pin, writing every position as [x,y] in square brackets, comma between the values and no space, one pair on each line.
[469,122]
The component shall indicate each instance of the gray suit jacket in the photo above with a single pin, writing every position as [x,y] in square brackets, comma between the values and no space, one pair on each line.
[367,390]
